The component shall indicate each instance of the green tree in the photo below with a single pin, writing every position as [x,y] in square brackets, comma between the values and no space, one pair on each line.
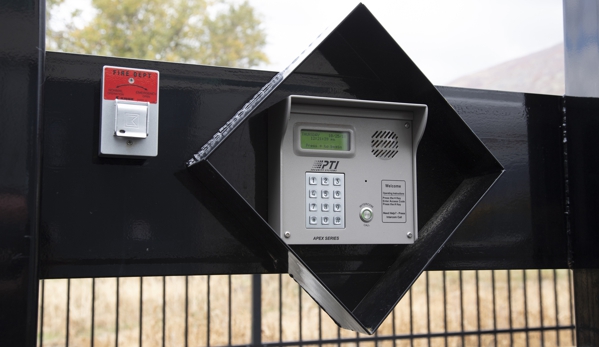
[214,32]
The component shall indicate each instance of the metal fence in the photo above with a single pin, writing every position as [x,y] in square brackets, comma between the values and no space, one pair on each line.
[443,308]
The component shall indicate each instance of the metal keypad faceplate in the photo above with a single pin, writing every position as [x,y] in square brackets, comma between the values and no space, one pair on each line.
[357,161]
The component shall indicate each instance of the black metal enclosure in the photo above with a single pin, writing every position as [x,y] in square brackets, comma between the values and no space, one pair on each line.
[65,212]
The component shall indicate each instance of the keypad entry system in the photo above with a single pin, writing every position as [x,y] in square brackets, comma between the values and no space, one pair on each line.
[343,171]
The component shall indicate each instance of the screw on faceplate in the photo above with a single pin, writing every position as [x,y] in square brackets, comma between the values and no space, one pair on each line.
[129,143]
[407,125]
[131,80]
[287,234]
[409,235]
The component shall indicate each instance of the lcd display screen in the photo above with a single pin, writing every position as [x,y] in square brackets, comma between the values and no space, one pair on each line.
[324,140]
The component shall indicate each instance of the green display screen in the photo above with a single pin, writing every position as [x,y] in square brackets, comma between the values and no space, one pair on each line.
[324,140]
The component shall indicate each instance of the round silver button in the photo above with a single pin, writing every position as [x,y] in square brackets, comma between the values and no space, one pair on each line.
[366,214]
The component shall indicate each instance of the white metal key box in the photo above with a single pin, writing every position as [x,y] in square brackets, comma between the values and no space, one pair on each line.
[343,171]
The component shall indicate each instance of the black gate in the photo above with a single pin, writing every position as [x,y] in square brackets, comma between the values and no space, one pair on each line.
[67,213]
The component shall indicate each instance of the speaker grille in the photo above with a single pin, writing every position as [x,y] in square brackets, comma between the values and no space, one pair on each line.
[384,144]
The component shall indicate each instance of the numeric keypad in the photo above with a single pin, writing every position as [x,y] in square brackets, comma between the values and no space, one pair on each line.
[325,200]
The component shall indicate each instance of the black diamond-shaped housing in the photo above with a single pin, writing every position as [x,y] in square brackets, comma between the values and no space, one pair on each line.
[359,59]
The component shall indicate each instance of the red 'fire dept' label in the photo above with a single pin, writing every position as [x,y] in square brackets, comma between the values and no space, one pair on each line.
[130,84]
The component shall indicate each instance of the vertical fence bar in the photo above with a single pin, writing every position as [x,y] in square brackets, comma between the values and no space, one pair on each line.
[477,305]
[141,309]
[462,307]
[444,306]
[411,318]
[163,311]
[42,315]
[257,310]
[299,298]
[186,311]
[280,308]
[208,310]
[524,281]
[428,309]
[570,285]
[93,312]
[230,299]
[509,303]
[116,329]
[555,297]
[393,330]
[68,312]
[320,326]
[540,280]
[494,307]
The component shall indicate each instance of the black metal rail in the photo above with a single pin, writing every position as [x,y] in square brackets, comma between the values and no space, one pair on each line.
[414,336]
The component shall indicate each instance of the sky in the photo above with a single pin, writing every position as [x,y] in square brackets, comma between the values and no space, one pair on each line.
[446,39]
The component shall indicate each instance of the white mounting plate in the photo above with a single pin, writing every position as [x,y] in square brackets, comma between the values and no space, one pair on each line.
[137,135]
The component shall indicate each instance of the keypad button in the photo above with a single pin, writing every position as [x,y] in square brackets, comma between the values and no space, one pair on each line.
[325,194]
[313,180]
[313,220]
[337,181]
[325,181]
[337,194]
[337,207]
[313,193]
[337,220]
[325,220]
[325,207]
[313,207]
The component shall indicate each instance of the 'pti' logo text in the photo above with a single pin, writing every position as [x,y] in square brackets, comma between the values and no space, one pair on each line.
[325,165]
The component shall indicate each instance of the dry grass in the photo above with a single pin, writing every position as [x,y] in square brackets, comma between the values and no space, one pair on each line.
[517,303]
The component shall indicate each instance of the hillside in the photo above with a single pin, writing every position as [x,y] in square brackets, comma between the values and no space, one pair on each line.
[541,72]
